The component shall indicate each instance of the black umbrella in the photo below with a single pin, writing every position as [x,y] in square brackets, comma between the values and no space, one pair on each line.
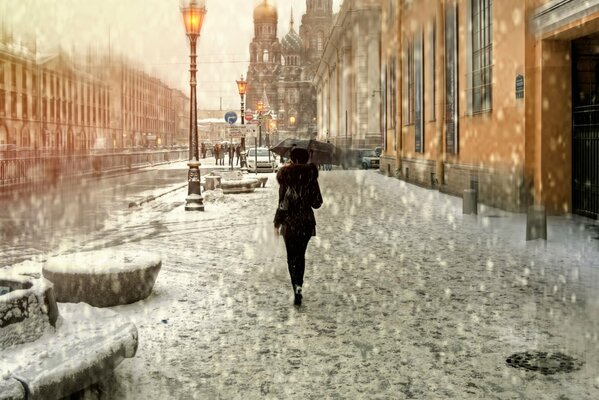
[320,152]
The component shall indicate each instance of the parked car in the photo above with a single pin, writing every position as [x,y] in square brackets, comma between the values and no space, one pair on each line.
[360,158]
[262,160]
[370,160]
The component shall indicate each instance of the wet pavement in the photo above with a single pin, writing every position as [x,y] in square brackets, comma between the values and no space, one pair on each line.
[405,298]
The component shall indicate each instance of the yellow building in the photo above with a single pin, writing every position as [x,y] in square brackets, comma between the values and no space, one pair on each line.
[498,96]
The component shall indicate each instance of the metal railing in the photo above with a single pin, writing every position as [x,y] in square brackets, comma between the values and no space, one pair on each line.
[52,168]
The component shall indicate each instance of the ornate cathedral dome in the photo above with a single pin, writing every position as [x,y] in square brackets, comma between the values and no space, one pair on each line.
[292,42]
[265,12]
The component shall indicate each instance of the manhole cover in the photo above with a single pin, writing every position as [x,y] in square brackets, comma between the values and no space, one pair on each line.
[545,363]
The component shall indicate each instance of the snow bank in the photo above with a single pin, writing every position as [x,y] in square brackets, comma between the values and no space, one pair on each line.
[27,311]
[103,261]
[103,278]
[87,344]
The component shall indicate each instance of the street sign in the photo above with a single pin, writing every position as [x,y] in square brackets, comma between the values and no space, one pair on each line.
[249,116]
[237,131]
[231,117]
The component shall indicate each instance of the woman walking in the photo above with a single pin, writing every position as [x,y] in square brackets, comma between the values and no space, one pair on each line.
[299,193]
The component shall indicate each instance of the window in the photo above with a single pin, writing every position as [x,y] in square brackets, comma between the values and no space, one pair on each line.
[24,78]
[482,55]
[393,92]
[320,41]
[25,139]
[13,75]
[34,107]
[2,102]
[432,40]
[408,94]
[419,93]
[451,79]
[1,74]
[24,106]
[13,104]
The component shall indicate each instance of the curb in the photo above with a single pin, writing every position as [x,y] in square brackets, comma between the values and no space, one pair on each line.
[150,198]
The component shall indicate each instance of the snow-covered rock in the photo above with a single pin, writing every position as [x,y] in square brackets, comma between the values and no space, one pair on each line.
[11,389]
[103,278]
[88,343]
[27,309]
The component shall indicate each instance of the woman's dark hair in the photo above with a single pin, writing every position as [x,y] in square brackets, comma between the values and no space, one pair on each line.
[299,156]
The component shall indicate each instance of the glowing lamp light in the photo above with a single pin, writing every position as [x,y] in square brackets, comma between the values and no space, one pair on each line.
[291,120]
[242,86]
[193,12]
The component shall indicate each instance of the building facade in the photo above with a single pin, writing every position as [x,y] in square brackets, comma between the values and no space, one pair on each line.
[348,78]
[498,97]
[280,72]
[181,105]
[48,104]
[19,94]
[75,104]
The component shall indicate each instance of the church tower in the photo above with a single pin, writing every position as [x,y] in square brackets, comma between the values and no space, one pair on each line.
[265,55]
[315,28]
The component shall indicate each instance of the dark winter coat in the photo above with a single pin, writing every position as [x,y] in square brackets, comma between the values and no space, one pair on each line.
[304,179]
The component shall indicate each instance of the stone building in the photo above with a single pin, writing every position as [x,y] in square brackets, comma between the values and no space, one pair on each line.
[496,96]
[76,103]
[19,94]
[47,103]
[181,106]
[142,108]
[348,78]
[280,73]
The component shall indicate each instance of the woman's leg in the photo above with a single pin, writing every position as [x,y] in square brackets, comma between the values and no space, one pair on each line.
[296,245]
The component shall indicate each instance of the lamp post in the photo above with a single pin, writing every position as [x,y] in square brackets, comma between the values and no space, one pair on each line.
[193,12]
[260,107]
[242,88]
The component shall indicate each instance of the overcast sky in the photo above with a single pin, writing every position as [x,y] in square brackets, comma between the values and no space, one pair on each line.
[152,33]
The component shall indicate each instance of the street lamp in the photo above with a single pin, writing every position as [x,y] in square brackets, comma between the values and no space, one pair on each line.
[260,108]
[242,88]
[193,12]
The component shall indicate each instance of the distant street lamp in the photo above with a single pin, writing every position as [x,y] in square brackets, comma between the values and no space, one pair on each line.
[193,12]
[260,108]
[242,88]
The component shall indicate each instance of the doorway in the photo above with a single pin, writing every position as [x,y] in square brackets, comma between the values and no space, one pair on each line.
[585,126]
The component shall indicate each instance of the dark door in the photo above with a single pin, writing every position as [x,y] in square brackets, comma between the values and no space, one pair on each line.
[585,127]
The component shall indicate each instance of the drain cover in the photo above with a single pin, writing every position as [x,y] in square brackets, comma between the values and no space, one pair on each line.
[545,363]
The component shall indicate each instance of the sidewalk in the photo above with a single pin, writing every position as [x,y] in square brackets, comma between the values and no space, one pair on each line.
[405,297]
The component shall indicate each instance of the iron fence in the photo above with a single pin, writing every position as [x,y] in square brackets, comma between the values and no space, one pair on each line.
[52,168]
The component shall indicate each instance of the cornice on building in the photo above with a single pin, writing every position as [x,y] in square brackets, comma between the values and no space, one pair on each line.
[556,14]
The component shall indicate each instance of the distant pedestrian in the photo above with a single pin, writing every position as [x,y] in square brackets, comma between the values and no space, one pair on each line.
[299,193]
[216,151]
[237,153]
[222,153]
[203,149]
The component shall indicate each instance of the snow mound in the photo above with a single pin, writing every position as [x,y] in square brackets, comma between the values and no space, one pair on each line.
[103,278]
[87,343]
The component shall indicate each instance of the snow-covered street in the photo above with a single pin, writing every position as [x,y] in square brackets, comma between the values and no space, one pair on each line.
[404,297]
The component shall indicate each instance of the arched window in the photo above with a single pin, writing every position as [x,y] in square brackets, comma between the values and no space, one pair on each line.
[265,56]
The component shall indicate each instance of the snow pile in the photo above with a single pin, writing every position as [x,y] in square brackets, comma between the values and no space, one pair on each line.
[103,261]
[87,342]
[24,310]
